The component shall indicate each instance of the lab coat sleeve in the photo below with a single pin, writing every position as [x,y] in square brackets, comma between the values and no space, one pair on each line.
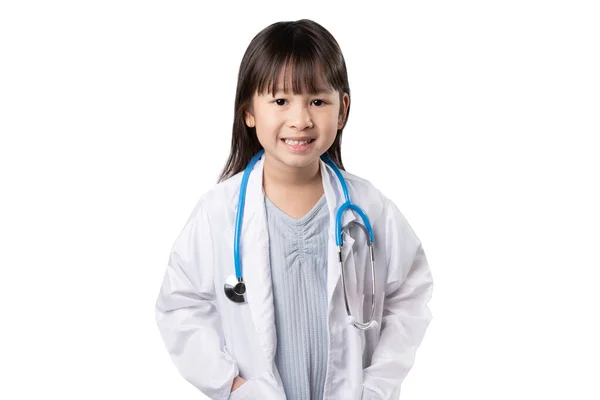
[187,318]
[406,314]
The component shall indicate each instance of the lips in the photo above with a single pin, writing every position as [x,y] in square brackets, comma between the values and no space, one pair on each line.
[298,146]
[298,140]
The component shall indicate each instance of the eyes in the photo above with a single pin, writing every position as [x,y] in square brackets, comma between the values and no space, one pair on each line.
[316,102]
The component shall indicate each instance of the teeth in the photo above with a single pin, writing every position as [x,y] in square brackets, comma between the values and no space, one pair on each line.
[296,142]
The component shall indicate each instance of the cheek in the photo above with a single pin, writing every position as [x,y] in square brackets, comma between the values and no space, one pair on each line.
[267,131]
[330,121]
[267,121]
[265,128]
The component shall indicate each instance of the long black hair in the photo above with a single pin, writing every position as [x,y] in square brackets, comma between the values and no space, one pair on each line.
[307,47]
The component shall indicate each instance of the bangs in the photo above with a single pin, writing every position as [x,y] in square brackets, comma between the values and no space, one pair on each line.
[303,74]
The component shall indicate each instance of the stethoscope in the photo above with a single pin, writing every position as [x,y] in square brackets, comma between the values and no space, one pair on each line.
[235,288]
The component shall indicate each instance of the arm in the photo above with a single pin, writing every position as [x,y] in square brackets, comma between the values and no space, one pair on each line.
[406,315]
[187,318]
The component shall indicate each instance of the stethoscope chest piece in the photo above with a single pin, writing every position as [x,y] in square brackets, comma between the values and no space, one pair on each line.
[235,289]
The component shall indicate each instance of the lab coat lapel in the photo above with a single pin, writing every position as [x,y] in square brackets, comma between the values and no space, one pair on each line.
[334,195]
[254,247]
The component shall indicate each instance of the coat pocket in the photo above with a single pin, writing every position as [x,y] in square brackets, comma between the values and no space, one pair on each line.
[244,392]
[261,387]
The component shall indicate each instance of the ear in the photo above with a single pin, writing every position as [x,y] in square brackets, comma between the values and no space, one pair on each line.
[344,110]
[249,119]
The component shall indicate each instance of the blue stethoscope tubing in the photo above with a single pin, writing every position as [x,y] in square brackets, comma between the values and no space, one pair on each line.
[235,287]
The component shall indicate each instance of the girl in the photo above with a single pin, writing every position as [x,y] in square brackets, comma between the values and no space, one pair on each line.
[302,318]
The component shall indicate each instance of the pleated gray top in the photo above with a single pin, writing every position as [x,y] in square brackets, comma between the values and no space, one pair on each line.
[298,255]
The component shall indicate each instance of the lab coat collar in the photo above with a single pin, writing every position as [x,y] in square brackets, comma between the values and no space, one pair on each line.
[255,251]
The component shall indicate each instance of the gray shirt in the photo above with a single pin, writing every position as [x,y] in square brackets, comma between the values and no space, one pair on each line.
[298,256]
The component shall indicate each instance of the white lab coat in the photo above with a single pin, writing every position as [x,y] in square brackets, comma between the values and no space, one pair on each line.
[211,339]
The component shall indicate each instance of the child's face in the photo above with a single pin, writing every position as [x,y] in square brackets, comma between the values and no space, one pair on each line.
[301,117]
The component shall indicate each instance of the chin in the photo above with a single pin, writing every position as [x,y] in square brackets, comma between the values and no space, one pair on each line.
[298,160]
[298,163]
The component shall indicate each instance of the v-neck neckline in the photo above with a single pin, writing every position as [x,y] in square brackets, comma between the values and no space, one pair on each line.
[297,221]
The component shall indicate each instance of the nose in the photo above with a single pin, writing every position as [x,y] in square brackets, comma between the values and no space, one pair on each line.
[300,118]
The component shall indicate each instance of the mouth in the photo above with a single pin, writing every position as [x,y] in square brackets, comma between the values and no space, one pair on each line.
[298,141]
[298,145]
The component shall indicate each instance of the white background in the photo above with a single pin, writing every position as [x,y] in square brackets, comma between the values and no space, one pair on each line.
[479,119]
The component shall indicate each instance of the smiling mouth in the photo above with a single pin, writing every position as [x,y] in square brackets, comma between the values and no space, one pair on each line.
[298,142]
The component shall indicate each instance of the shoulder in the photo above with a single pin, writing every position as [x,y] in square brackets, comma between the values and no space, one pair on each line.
[380,207]
[364,191]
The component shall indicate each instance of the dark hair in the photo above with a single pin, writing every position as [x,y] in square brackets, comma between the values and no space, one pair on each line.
[310,49]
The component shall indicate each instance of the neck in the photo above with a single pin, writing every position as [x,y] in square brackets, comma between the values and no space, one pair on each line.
[276,173]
